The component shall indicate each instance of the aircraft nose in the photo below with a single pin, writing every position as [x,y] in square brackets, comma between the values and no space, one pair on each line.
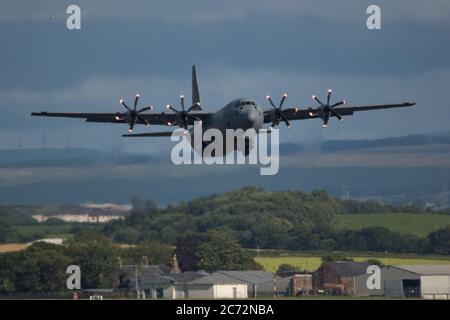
[252,115]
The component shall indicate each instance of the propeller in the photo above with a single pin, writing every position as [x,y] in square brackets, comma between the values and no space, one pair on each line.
[278,112]
[132,114]
[183,114]
[325,110]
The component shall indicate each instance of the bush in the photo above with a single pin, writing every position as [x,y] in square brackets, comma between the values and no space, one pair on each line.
[439,240]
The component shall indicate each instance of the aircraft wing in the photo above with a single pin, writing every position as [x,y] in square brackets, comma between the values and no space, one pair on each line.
[312,113]
[153,118]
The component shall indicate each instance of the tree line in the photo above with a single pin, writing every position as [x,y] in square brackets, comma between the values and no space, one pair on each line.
[291,220]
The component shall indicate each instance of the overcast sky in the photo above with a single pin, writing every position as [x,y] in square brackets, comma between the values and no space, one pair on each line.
[241,48]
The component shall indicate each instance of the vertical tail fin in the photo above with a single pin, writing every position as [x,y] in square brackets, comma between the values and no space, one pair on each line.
[195,92]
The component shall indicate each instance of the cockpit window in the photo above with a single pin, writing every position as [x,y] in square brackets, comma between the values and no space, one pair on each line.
[247,103]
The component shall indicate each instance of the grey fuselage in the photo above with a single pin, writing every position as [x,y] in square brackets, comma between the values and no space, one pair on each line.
[240,113]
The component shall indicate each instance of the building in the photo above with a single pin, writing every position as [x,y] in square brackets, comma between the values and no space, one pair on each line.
[425,281]
[342,278]
[157,282]
[168,282]
[300,284]
[56,241]
[260,283]
[217,286]
[179,287]
[401,281]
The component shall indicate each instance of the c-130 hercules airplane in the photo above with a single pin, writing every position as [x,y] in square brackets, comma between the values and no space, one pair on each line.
[241,113]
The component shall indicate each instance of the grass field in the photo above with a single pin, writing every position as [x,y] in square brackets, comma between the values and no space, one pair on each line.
[310,263]
[417,224]
[45,230]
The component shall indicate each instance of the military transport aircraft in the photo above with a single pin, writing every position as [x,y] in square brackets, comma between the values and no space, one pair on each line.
[240,113]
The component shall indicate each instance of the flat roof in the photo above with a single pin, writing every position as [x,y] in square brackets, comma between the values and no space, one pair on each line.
[217,278]
[250,276]
[427,269]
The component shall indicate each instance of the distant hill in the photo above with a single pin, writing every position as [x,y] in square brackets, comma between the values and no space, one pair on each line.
[345,145]
[87,157]
[67,157]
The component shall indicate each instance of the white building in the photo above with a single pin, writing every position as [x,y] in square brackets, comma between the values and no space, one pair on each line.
[57,241]
[416,281]
[259,283]
[217,286]
[434,280]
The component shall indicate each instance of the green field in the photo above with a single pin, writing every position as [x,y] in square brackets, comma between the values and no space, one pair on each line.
[417,224]
[310,263]
[405,223]
[44,230]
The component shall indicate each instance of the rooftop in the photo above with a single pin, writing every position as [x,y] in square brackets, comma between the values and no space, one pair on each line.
[188,276]
[155,275]
[348,268]
[217,278]
[427,269]
[252,276]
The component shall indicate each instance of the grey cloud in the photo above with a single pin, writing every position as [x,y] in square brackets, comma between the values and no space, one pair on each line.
[97,91]
[207,12]
[47,55]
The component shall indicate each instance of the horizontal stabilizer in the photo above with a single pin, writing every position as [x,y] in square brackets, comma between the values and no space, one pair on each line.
[177,133]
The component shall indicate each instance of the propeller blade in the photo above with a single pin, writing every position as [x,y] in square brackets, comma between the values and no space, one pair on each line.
[274,123]
[337,115]
[143,120]
[136,99]
[317,100]
[283,99]
[338,104]
[145,109]
[184,118]
[195,106]
[182,102]
[325,120]
[286,121]
[171,108]
[329,96]
[271,102]
[124,104]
